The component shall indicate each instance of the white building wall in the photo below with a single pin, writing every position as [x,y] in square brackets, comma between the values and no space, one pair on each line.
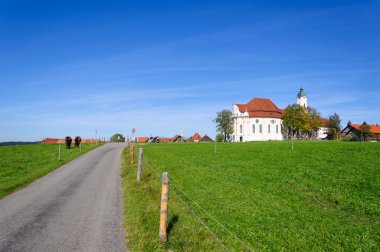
[246,123]
[322,132]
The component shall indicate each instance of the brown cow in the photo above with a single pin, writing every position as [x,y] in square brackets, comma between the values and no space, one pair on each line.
[68,141]
[77,141]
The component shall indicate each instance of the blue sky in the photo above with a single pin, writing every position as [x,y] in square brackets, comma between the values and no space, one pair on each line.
[70,67]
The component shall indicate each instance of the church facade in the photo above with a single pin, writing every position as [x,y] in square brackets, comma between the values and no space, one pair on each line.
[258,120]
[261,120]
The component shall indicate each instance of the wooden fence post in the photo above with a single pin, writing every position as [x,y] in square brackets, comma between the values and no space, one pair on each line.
[164,206]
[59,152]
[132,154]
[139,168]
[80,147]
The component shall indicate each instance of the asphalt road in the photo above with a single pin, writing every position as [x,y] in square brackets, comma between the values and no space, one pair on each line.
[78,207]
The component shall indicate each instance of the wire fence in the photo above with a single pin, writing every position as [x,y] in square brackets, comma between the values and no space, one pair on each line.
[201,221]
[177,191]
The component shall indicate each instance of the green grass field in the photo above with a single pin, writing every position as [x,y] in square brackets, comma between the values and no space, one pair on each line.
[321,196]
[22,164]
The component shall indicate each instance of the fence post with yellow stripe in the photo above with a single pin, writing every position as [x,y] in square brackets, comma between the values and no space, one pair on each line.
[164,206]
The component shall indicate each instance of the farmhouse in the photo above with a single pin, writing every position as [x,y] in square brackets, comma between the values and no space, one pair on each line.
[142,139]
[195,138]
[355,132]
[206,138]
[158,139]
[261,120]
[177,138]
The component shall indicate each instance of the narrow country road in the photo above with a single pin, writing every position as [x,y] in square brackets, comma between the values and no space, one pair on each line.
[77,207]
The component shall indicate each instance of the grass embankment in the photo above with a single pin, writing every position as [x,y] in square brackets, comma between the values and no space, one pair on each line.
[22,164]
[321,196]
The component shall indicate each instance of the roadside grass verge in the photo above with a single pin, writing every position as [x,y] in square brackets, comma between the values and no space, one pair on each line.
[321,196]
[20,165]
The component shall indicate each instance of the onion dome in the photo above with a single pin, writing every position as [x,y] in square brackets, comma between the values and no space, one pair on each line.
[301,93]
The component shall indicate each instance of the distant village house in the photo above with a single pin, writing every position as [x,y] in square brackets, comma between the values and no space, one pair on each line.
[177,138]
[354,132]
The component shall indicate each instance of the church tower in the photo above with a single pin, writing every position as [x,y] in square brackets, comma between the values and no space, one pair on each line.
[301,98]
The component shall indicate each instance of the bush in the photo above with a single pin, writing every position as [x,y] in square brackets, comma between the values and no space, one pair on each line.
[219,137]
[347,138]
[351,137]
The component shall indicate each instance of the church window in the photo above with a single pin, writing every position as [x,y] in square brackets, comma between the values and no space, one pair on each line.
[241,129]
[261,128]
[276,129]
[253,128]
[257,120]
[268,128]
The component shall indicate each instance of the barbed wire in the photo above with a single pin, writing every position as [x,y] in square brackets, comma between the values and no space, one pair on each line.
[196,216]
[212,217]
[192,212]
[200,220]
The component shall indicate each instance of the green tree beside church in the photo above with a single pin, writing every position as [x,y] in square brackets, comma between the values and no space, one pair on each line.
[300,122]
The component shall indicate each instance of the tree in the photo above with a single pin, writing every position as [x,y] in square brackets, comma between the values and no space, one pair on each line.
[365,130]
[219,137]
[117,138]
[334,126]
[295,120]
[224,123]
[313,122]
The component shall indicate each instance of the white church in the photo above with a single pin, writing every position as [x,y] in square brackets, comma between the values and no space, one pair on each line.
[261,120]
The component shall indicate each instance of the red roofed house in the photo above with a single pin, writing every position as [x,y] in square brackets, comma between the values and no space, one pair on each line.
[196,138]
[165,139]
[258,120]
[177,138]
[142,139]
[206,138]
[354,130]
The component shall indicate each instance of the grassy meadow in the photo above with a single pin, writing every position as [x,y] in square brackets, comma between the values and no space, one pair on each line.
[20,165]
[321,196]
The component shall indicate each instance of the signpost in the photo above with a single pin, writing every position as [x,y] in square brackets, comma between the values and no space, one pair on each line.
[134,135]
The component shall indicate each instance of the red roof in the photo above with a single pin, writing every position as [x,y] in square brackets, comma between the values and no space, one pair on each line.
[53,140]
[196,136]
[261,107]
[324,122]
[142,139]
[88,140]
[373,128]
[165,139]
